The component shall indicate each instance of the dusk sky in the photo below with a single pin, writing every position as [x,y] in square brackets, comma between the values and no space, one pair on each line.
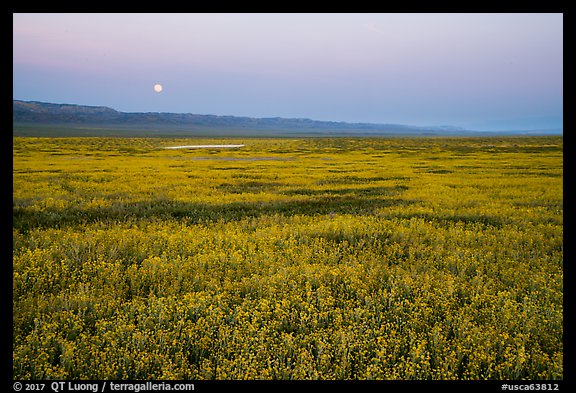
[477,71]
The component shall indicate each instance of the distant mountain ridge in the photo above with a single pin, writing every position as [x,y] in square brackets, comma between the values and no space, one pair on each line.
[49,113]
[23,111]
[32,113]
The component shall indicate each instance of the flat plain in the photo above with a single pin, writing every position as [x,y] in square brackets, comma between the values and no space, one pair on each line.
[311,258]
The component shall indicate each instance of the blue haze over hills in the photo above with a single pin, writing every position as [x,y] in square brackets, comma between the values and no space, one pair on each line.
[36,118]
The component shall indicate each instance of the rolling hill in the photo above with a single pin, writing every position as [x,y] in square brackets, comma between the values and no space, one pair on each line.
[40,118]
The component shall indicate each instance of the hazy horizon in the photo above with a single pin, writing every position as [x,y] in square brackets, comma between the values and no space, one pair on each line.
[475,71]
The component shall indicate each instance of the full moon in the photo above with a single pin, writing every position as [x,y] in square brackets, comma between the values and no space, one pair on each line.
[157,87]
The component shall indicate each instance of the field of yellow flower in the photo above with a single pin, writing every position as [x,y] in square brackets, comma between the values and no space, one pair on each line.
[327,258]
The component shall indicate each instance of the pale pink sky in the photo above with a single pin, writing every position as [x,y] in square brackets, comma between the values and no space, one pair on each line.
[480,71]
